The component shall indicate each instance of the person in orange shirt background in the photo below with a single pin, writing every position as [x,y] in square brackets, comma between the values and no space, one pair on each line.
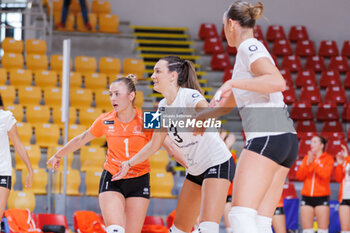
[124,202]
[342,175]
[315,171]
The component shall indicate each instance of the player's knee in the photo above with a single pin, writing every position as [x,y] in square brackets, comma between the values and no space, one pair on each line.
[208,227]
[174,229]
[322,230]
[308,230]
[264,224]
[115,229]
[243,220]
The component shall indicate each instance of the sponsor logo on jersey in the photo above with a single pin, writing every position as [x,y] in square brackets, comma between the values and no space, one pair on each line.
[108,122]
[213,171]
[137,130]
[253,48]
[146,191]
[195,95]
[3,181]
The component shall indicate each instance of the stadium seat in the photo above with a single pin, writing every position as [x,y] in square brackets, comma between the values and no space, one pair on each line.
[47,135]
[207,30]
[297,33]
[102,99]
[347,80]
[37,114]
[95,80]
[159,160]
[101,7]
[345,51]
[264,42]
[334,146]
[327,111]
[304,147]
[328,48]
[339,63]
[20,77]
[292,175]
[220,61]
[39,182]
[92,179]
[75,80]
[34,46]
[56,115]
[138,102]
[87,116]
[289,191]
[292,63]
[3,76]
[8,94]
[57,6]
[75,6]
[84,64]
[70,22]
[56,63]
[275,32]
[45,78]
[346,113]
[109,65]
[282,48]
[213,45]
[310,94]
[9,45]
[92,21]
[37,62]
[21,200]
[12,61]
[258,33]
[305,48]
[162,183]
[109,23]
[315,63]
[275,60]
[227,75]
[34,154]
[73,182]
[51,151]
[231,50]
[332,129]
[306,129]
[92,158]
[335,94]
[52,219]
[134,66]
[29,95]
[301,111]
[17,111]
[287,76]
[52,96]
[75,130]
[25,132]
[80,97]
[289,94]
[154,220]
[305,78]
[330,78]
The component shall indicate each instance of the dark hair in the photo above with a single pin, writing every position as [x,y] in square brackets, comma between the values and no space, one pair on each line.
[130,82]
[323,141]
[1,103]
[245,13]
[187,76]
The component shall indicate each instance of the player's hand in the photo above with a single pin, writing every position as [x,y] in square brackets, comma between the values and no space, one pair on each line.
[222,94]
[340,157]
[54,162]
[29,180]
[310,157]
[124,168]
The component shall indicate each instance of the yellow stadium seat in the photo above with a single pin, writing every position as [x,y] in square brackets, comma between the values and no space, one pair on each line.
[56,115]
[109,23]
[162,183]
[101,7]
[53,149]
[52,96]
[80,97]
[34,154]
[34,46]
[21,200]
[159,160]
[3,76]
[75,80]
[56,62]
[39,181]
[87,116]
[75,130]
[12,61]
[73,182]
[109,65]
[75,6]
[20,77]
[45,78]
[25,132]
[92,179]
[113,77]
[102,100]
[57,6]
[37,62]
[84,64]
[29,95]
[9,45]
[8,94]
[17,111]
[47,134]
[92,21]
[134,66]
[69,22]
[95,80]
[13,178]
[92,158]
[139,99]
[37,114]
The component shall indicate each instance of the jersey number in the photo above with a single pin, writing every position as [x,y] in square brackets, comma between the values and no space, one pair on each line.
[178,139]
[126,141]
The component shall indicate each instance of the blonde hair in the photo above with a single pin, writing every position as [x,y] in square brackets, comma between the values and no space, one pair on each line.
[130,82]
[245,13]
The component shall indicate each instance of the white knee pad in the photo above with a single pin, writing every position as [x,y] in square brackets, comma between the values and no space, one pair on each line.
[229,230]
[115,229]
[308,230]
[322,230]
[208,227]
[264,224]
[173,229]
[345,232]
[243,220]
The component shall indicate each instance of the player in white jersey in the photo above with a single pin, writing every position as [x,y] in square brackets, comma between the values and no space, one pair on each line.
[8,130]
[272,144]
[209,163]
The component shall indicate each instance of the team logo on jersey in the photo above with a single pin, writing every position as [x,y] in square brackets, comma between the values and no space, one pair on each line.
[195,95]
[137,130]
[253,48]
[108,122]
[151,120]
[146,191]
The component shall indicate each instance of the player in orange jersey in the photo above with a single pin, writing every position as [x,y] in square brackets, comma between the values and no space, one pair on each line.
[124,202]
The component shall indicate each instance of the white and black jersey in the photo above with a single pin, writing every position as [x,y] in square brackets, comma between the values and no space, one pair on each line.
[7,121]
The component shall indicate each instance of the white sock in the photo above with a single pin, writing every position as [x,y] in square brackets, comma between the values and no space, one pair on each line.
[345,232]
[115,229]
[208,227]
[229,230]
[322,230]
[243,220]
[173,229]
[308,230]
[264,224]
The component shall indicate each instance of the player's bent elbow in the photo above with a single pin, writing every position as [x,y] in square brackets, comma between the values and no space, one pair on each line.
[281,85]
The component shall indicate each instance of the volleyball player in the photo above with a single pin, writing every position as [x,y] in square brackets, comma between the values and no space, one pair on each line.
[210,164]
[123,203]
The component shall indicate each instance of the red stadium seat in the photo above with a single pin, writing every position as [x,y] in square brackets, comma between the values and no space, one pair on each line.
[330,78]
[332,129]
[306,129]
[223,36]
[282,48]
[289,191]
[345,51]
[304,147]
[327,112]
[301,111]
[212,45]
[297,33]
[258,33]
[287,75]
[334,146]
[305,78]
[207,30]
[292,175]
[275,32]
[52,219]
[154,220]
[346,113]
[305,48]
[231,50]
[289,94]
[310,94]
[328,48]
[265,44]
[227,74]
[315,63]
[292,63]
[335,94]
[339,63]
[220,61]
[347,80]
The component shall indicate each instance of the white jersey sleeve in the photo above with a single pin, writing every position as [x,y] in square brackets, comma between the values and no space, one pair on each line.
[192,97]
[11,121]
[253,51]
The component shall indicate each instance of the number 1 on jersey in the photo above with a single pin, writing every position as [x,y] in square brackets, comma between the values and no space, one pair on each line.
[126,141]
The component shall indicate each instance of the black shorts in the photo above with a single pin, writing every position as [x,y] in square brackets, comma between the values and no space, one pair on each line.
[315,201]
[229,199]
[5,181]
[279,211]
[283,148]
[131,187]
[225,170]
[345,202]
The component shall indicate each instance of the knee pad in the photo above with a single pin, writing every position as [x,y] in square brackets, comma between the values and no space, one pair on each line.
[173,229]
[243,220]
[322,230]
[308,230]
[208,227]
[115,229]
[345,232]
[264,224]
[229,230]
